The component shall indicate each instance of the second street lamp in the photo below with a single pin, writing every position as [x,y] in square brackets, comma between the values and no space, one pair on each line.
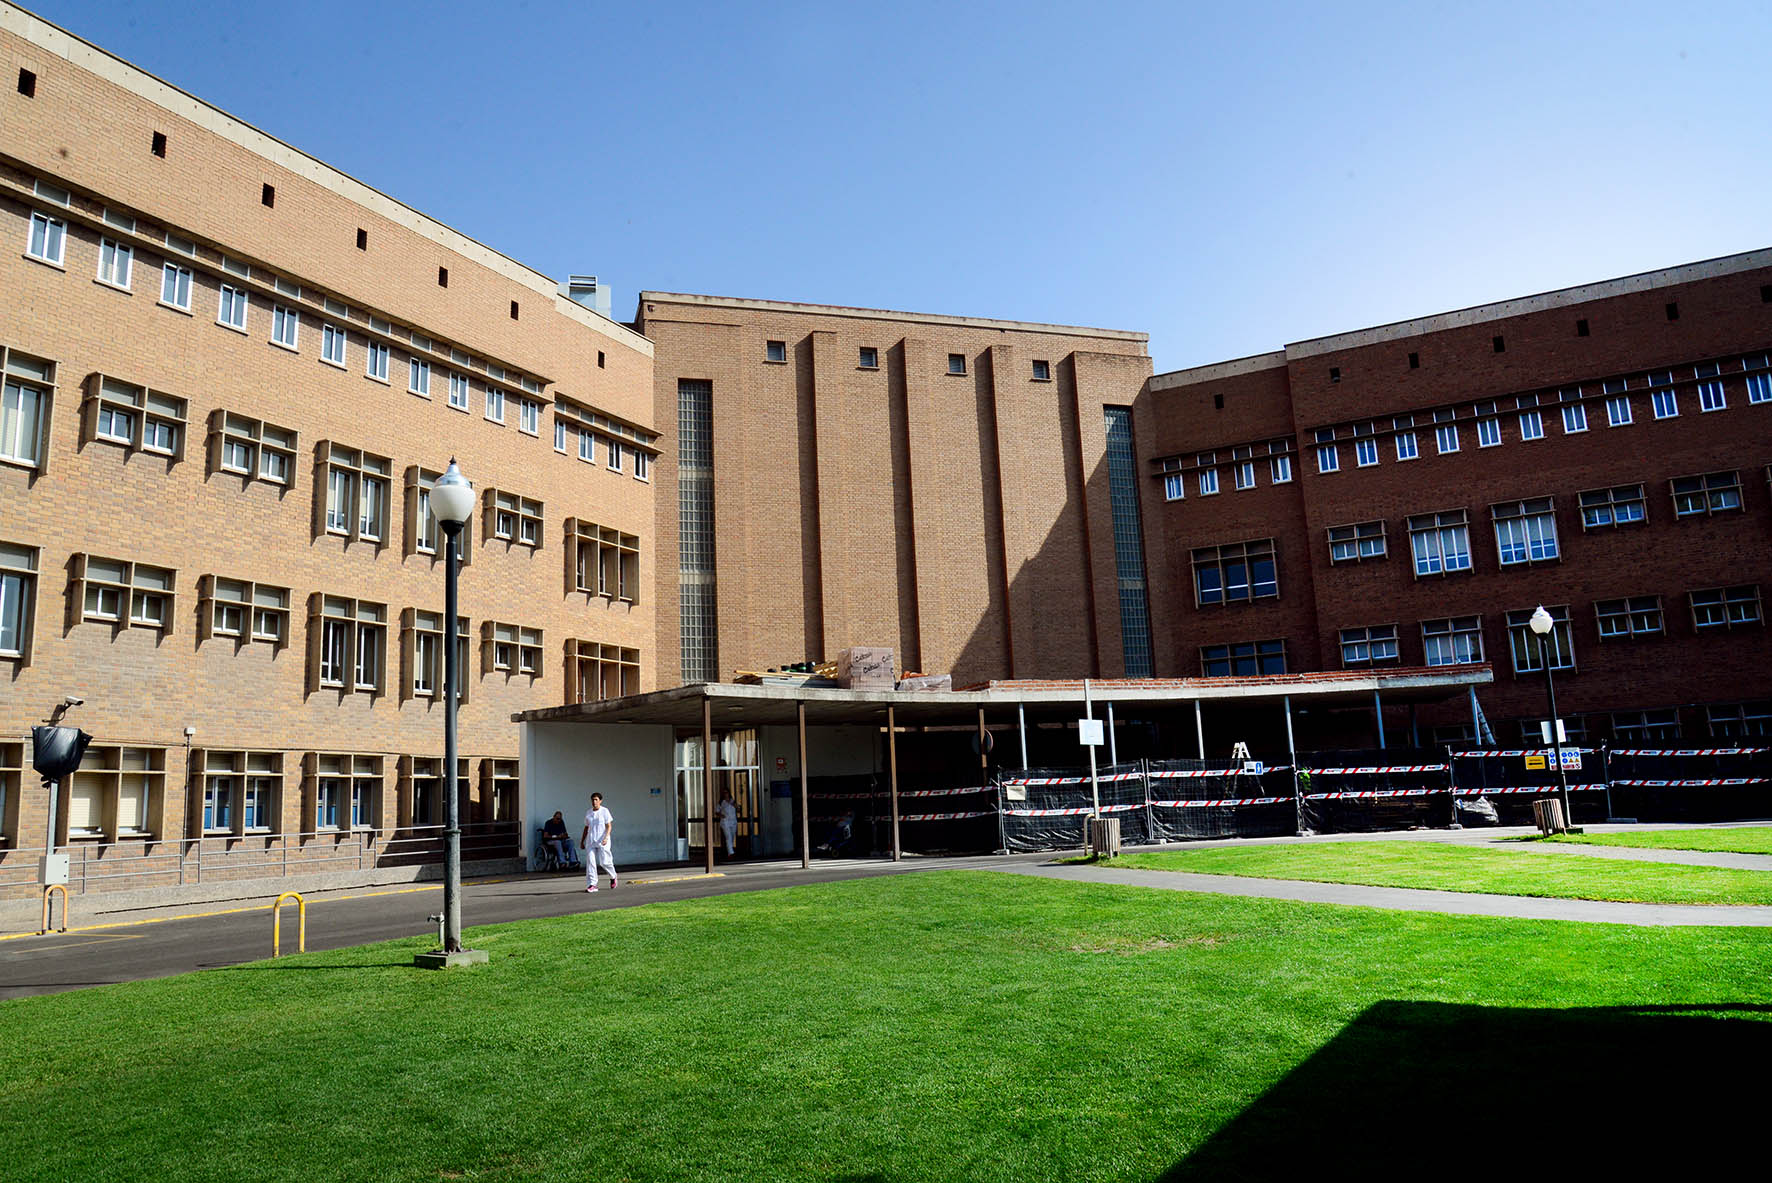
[1542,624]
[451,503]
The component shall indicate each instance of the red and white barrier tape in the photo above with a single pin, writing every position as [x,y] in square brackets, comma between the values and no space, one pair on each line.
[847,796]
[1224,801]
[942,817]
[1478,755]
[942,792]
[1693,784]
[1105,778]
[1499,789]
[1367,771]
[1070,812]
[1189,774]
[1689,751]
[1372,793]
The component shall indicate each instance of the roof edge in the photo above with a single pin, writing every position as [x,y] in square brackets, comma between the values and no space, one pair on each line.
[1235,368]
[753,305]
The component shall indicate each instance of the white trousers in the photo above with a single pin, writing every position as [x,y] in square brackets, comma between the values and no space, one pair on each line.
[729,831]
[597,857]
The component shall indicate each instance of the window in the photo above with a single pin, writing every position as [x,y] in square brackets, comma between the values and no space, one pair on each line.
[1440,542]
[1618,411]
[354,486]
[1235,573]
[1528,655]
[49,239]
[1244,473]
[244,611]
[1710,388]
[25,402]
[1042,371]
[1634,727]
[231,308]
[117,791]
[595,671]
[1665,401]
[1633,616]
[1488,434]
[375,362]
[776,351]
[423,534]
[1243,659]
[1174,486]
[458,390]
[351,784]
[1366,452]
[511,518]
[1280,468]
[1369,646]
[642,466]
[27,82]
[251,448]
[495,404]
[332,345]
[868,358]
[348,644]
[1525,531]
[1713,492]
[1739,720]
[285,325]
[1456,641]
[1726,607]
[1208,481]
[1446,437]
[134,417]
[587,446]
[1406,445]
[605,562]
[124,594]
[529,416]
[559,435]
[175,286]
[418,376]
[1351,544]
[423,655]
[1759,386]
[115,262]
[1328,458]
[617,456]
[1531,425]
[241,791]
[1617,506]
[1574,418]
[510,649]
[956,363]
[18,599]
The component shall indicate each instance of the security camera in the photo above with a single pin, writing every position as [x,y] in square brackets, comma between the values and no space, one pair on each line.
[189,732]
[74,700]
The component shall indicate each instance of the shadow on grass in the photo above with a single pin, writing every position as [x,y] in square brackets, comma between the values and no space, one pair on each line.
[1427,1088]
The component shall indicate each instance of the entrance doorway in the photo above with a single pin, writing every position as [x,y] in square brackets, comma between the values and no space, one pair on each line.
[735,770]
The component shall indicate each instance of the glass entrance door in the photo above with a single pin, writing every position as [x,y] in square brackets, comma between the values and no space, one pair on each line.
[735,770]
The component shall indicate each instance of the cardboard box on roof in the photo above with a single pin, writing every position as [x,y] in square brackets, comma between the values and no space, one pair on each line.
[865,667]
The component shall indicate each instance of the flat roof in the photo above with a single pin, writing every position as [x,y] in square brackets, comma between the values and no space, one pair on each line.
[970,322]
[752,706]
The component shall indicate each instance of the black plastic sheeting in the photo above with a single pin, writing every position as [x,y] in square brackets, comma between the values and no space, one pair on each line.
[1049,808]
[1254,806]
[1367,790]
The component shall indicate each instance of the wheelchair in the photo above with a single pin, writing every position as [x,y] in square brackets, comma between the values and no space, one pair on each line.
[548,859]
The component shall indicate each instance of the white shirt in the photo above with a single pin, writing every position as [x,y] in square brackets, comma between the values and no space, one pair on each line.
[599,821]
[727,812]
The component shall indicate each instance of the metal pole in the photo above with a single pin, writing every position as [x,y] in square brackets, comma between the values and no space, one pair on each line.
[892,776]
[1113,745]
[55,799]
[1021,720]
[1292,758]
[1094,780]
[1199,730]
[707,777]
[452,811]
[1414,728]
[805,818]
[1606,775]
[1550,689]
[1378,713]
[984,755]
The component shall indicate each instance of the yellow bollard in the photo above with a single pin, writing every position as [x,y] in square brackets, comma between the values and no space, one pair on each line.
[301,911]
[47,891]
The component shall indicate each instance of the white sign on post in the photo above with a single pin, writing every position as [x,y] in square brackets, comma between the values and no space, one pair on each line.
[1571,759]
[1089,733]
[1544,729]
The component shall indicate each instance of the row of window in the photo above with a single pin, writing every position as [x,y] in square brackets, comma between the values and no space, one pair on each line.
[868,358]
[47,243]
[1707,386]
[1731,720]
[1458,640]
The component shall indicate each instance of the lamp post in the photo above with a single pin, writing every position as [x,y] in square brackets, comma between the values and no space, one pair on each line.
[451,500]
[1542,624]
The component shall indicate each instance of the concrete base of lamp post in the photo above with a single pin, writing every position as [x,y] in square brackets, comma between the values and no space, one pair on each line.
[438,959]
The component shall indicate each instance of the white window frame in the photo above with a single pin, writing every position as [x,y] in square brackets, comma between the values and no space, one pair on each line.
[334,343]
[642,466]
[1488,433]
[1280,469]
[1527,531]
[1446,438]
[1328,458]
[234,301]
[176,277]
[1407,446]
[375,361]
[285,327]
[1666,402]
[1243,474]
[1175,486]
[1531,425]
[119,259]
[1429,535]
[53,238]
[1208,482]
[418,377]
[1460,640]
[1365,452]
[1574,418]
[1618,413]
[495,405]
[459,390]
[1712,396]
[559,435]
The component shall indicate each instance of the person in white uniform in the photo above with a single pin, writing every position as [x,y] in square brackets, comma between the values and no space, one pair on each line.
[727,812]
[599,829]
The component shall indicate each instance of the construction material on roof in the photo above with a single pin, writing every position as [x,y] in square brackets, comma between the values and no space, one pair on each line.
[865,667]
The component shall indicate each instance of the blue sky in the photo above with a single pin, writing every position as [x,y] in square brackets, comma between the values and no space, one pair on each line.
[1227,177]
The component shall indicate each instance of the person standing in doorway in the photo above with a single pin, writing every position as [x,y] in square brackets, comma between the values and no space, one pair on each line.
[599,829]
[727,812]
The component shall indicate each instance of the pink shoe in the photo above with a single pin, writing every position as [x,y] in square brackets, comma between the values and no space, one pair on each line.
[612,883]
[591,888]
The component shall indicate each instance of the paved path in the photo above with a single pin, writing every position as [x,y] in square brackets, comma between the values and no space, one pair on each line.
[1409,899]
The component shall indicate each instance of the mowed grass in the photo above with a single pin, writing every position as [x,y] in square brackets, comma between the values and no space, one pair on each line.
[1445,867]
[1731,840]
[937,1026]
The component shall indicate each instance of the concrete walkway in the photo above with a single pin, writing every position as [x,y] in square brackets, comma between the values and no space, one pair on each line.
[1409,899]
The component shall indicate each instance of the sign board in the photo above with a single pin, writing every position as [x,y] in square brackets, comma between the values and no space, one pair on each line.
[1015,792]
[1089,732]
[781,764]
[1534,761]
[1544,731]
[781,790]
[1571,759]
[1253,768]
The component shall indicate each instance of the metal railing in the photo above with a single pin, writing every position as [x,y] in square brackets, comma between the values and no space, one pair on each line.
[102,866]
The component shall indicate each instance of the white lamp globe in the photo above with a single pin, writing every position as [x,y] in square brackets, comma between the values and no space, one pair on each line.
[1541,621]
[452,497]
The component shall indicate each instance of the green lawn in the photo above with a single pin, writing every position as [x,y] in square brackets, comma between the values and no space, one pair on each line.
[936,1026]
[1444,867]
[1737,840]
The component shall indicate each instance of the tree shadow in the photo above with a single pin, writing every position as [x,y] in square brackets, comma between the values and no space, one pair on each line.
[1412,1088]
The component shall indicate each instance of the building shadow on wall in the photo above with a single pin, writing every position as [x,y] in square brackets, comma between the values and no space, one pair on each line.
[1428,1089]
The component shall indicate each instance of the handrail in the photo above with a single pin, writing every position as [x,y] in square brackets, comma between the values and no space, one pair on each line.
[301,909]
[47,892]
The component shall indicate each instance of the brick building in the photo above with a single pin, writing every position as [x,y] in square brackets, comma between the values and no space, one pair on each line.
[1407,494]
[231,373]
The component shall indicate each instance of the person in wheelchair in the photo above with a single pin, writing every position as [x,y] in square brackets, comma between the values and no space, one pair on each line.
[839,838]
[556,845]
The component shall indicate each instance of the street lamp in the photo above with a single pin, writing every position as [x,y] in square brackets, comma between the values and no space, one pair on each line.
[1542,624]
[451,501]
